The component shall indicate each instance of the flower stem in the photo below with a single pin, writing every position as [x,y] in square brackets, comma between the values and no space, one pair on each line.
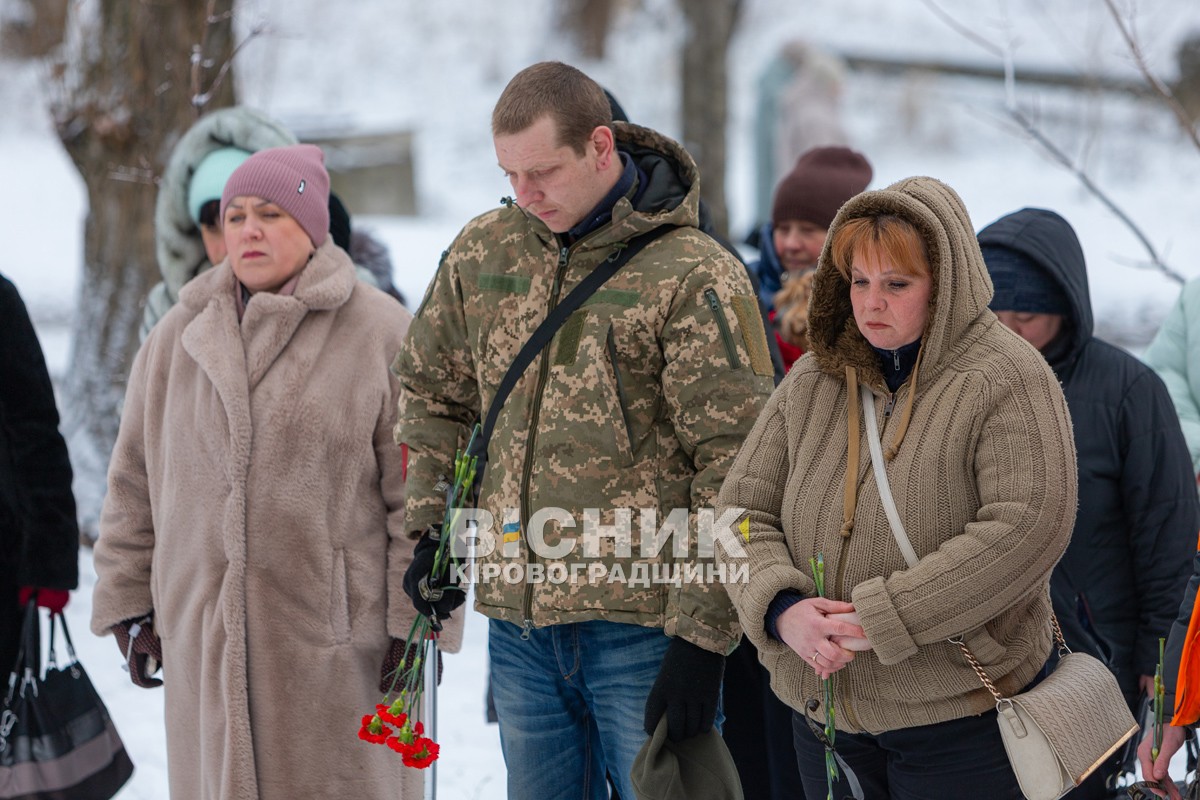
[827,687]
[1159,698]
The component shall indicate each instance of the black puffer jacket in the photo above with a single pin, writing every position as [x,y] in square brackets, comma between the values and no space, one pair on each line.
[1135,534]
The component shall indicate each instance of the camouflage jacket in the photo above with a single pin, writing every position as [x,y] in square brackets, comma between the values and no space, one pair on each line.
[635,409]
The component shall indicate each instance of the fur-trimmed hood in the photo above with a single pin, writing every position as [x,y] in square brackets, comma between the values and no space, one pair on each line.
[325,283]
[962,288]
[178,246]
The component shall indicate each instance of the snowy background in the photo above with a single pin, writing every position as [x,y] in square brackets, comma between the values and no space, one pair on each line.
[437,69]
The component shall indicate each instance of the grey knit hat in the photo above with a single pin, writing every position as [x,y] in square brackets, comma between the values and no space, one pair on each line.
[293,178]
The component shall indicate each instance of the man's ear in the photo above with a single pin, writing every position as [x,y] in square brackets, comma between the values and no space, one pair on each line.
[605,145]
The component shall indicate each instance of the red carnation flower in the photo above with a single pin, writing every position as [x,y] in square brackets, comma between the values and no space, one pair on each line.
[391,714]
[373,730]
[424,753]
[394,722]
[400,746]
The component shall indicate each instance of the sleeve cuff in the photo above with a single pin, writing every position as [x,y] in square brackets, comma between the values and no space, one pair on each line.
[885,630]
[782,602]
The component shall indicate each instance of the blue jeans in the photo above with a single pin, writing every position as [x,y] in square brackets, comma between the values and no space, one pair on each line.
[571,701]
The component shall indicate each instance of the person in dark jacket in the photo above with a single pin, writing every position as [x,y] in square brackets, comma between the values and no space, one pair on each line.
[39,534]
[1117,588]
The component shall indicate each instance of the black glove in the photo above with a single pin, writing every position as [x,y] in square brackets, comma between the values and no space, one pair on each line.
[432,598]
[687,690]
[142,650]
[392,660]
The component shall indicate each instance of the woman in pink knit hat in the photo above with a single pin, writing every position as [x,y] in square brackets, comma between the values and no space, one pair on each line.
[253,529]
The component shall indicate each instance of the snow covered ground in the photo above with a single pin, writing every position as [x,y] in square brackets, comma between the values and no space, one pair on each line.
[438,68]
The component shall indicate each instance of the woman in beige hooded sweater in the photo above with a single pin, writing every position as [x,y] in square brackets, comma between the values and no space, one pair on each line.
[980,460]
[254,523]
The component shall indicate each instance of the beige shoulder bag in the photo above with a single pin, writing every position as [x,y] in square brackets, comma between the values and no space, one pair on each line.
[1059,731]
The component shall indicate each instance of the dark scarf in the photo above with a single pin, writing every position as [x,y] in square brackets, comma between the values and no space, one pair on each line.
[897,364]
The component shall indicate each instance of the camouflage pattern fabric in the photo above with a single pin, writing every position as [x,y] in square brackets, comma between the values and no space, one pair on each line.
[639,403]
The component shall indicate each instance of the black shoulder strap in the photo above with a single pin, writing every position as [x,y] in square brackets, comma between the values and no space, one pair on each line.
[545,332]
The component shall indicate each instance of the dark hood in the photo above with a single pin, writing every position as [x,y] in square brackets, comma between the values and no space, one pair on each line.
[1050,241]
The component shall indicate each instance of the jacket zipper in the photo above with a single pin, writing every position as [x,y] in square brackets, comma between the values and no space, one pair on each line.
[730,349]
[621,399]
[526,513]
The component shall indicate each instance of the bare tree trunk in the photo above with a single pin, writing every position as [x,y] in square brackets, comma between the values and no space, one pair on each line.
[588,21]
[37,35]
[126,96]
[1187,89]
[710,26]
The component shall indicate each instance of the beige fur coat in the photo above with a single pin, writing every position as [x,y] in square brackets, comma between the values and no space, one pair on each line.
[255,505]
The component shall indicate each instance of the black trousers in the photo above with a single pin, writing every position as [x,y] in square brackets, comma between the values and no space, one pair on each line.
[758,729]
[962,758]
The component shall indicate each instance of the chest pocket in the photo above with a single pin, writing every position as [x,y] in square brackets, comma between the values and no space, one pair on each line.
[500,325]
[587,392]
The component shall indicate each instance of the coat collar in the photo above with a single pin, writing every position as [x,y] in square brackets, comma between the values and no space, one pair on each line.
[270,321]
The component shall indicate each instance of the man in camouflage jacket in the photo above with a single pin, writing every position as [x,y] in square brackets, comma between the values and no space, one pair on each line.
[635,410]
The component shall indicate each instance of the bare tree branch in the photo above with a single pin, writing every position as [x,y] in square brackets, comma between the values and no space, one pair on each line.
[963,30]
[1156,84]
[1058,155]
[199,100]
[1055,152]
[201,97]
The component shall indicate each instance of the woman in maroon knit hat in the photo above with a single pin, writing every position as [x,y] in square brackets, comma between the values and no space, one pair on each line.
[806,201]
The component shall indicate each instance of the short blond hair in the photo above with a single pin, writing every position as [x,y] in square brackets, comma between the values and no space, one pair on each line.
[575,102]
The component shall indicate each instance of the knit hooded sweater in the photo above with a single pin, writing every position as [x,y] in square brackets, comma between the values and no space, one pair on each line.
[981,464]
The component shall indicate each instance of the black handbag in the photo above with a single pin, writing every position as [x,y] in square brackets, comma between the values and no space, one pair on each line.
[57,741]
